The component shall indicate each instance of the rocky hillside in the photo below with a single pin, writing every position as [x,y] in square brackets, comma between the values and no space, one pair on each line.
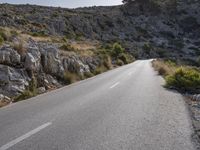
[33,65]
[147,28]
[42,48]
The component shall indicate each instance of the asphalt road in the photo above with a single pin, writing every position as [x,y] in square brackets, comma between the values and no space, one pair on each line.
[123,109]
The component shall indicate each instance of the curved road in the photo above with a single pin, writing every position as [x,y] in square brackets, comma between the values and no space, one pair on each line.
[123,109]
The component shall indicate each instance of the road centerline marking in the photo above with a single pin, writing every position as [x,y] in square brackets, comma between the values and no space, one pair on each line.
[25,136]
[114,85]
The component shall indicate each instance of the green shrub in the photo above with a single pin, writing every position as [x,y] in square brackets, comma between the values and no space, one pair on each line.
[126,58]
[25,95]
[117,49]
[99,70]
[184,79]
[123,57]
[170,63]
[13,32]
[33,85]
[55,14]
[3,34]
[67,47]
[39,34]
[119,62]
[30,92]
[88,74]
[70,78]
[107,46]
[162,71]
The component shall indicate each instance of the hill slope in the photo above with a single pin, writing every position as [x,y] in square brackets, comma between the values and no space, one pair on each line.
[173,27]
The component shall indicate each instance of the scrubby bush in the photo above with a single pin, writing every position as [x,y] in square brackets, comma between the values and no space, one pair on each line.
[123,57]
[39,34]
[99,70]
[184,79]
[119,62]
[70,78]
[117,49]
[88,74]
[20,48]
[107,46]
[162,71]
[67,47]
[164,68]
[25,95]
[14,33]
[33,85]
[30,92]
[3,34]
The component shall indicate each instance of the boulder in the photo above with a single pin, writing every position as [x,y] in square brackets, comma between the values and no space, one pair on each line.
[33,59]
[41,90]
[51,61]
[74,64]
[9,56]
[13,81]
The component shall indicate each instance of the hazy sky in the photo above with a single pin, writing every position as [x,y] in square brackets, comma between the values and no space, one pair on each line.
[65,3]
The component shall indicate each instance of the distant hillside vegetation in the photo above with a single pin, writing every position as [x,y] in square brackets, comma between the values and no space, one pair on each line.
[147,28]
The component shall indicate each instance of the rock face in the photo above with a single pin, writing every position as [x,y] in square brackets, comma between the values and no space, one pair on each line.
[50,61]
[42,60]
[12,81]
[33,59]
[9,56]
[75,64]
[196,97]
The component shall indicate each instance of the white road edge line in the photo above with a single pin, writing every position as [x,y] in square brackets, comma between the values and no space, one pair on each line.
[114,85]
[25,136]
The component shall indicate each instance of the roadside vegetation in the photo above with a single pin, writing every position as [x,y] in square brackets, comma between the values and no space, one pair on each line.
[111,56]
[107,56]
[180,77]
[31,91]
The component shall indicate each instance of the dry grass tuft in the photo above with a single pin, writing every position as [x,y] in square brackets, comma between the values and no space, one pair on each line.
[20,48]
[163,68]
[70,78]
